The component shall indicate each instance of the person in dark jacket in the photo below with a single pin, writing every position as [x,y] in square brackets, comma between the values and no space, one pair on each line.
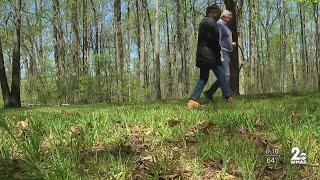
[226,50]
[209,56]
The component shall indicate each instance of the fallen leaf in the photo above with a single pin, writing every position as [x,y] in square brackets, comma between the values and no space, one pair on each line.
[75,131]
[259,122]
[207,127]
[23,125]
[173,122]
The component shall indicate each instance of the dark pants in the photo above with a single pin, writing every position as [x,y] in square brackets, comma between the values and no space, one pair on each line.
[204,76]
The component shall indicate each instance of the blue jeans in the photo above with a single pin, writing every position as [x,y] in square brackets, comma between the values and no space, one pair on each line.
[215,86]
[204,75]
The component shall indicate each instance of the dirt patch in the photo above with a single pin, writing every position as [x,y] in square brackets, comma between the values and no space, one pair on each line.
[138,138]
[272,173]
[212,169]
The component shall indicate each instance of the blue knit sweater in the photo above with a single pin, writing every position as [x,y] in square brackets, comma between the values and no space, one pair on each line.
[225,36]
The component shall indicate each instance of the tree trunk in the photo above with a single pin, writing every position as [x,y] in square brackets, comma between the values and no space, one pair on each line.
[119,48]
[168,53]
[129,51]
[234,65]
[75,38]
[85,48]
[157,54]
[267,27]
[15,86]
[303,44]
[253,46]
[282,12]
[141,43]
[96,38]
[239,17]
[185,48]
[293,55]
[59,48]
[3,80]
[317,22]
[180,60]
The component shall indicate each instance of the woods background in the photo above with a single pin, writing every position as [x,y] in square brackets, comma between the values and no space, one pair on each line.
[91,51]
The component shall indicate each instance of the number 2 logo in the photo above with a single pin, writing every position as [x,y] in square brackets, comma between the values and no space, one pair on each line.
[296,156]
[296,152]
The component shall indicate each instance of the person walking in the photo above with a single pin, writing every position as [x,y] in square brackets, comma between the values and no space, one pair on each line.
[208,56]
[226,44]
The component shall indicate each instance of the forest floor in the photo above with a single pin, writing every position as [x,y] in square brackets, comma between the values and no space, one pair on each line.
[252,138]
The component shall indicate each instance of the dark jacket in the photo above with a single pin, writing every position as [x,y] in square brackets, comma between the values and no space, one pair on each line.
[208,49]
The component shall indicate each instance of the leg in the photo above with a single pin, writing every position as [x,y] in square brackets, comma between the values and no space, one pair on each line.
[224,84]
[204,75]
[226,67]
[226,64]
[210,92]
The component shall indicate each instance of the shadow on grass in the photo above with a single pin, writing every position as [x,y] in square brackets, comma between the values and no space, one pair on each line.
[14,169]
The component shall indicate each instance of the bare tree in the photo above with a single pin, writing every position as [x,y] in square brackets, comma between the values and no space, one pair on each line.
[85,48]
[316,12]
[168,56]
[119,48]
[157,54]
[293,54]
[304,52]
[282,13]
[253,45]
[239,17]
[141,43]
[180,59]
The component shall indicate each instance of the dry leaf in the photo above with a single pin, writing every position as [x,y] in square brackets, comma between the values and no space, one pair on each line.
[173,122]
[23,125]
[75,131]
[207,127]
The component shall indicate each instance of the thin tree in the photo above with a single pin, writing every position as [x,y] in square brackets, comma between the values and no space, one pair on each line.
[293,54]
[157,54]
[141,44]
[316,12]
[85,47]
[303,45]
[179,57]
[119,48]
[168,56]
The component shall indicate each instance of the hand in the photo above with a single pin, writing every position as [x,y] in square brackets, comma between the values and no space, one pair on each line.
[222,60]
[234,44]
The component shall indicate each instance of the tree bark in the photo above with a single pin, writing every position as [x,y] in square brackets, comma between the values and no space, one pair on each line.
[15,86]
[141,43]
[3,80]
[179,57]
[157,54]
[129,51]
[168,54]
[317,22]
[293,55]
[253,46]
[75,39]
[240,46]
[119,48]
[85,48]
[282,12]
[303,44]
[234,65]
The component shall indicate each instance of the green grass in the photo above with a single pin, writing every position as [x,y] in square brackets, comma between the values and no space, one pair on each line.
[163,140]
